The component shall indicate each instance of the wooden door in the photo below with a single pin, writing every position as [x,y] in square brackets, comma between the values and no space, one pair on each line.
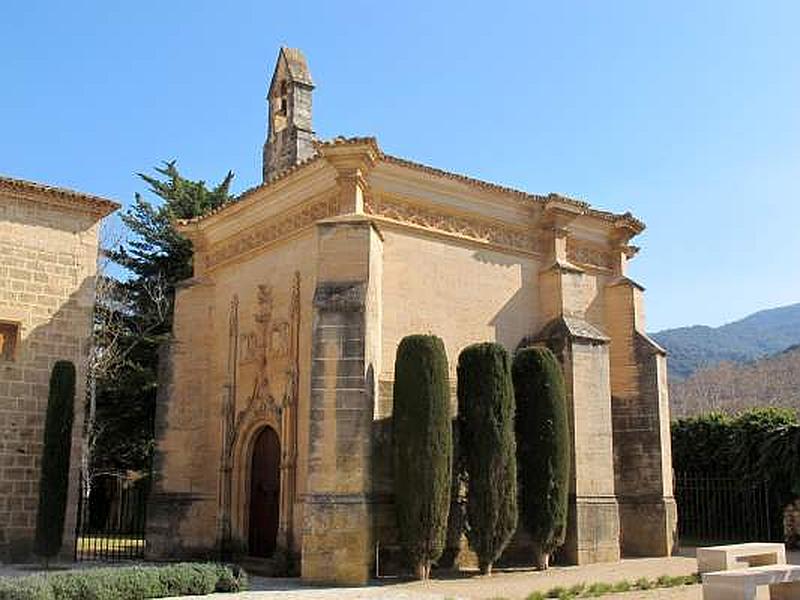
[265,492]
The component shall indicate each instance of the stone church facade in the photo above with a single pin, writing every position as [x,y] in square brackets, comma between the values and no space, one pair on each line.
[48,261]
[273,422]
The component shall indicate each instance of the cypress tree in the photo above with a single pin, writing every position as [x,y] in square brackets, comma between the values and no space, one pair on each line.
[486,417]
[54,480]
[422,449]
[543,449]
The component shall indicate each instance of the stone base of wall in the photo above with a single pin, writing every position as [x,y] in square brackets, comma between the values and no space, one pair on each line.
[649,527]
[337,545]
[167,514]
[592,531]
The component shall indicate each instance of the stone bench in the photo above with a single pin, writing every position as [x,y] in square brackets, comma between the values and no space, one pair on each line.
[741,584]
[738,556]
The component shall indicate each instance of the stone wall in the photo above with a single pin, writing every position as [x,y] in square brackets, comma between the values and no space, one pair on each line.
[187,505]
[48,257]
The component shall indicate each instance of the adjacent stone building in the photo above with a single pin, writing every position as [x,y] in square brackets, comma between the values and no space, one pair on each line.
[48,258]
[274,418]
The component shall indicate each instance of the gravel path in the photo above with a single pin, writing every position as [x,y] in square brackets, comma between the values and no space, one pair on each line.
[511,584]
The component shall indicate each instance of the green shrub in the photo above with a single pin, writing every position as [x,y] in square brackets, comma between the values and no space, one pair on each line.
[231,578]
[34,587]
[126,583]
[622,586]
[543,449]
[422,449]
[486,418]
[54,480]
[761,443]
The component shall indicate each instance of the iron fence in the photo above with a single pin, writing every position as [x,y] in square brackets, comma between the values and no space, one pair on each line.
[727,509]
[111,520]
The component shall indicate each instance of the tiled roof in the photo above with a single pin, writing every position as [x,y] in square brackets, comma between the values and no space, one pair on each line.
[71,198]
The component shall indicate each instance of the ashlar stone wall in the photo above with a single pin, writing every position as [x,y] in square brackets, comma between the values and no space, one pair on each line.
[48,256]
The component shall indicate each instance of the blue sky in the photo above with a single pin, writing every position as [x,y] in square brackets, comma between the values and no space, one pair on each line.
[686,113]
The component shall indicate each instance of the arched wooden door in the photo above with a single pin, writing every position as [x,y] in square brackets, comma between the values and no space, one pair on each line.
[265,493]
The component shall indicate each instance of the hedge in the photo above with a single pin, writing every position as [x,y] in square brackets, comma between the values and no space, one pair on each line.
[422,449]
[543,449]
[486,440]
[54,480]
[127,583]
[761,443]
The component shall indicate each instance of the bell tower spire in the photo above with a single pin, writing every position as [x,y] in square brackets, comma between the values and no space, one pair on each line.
[290,137]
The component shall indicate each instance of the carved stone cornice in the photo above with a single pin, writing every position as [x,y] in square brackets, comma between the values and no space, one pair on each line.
[279,227]
[57,197]
[401,210]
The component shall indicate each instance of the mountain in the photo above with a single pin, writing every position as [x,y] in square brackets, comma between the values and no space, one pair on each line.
[756,336]
[729,387]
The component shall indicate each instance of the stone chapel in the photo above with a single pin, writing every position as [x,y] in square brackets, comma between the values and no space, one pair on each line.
[273,420]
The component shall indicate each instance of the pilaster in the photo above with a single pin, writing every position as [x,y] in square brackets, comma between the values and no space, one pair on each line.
[337,525]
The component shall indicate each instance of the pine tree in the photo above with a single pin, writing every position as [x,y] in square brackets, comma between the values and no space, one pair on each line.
[54,481]
[422,448]
[154,258]
[486,439]
[543,449]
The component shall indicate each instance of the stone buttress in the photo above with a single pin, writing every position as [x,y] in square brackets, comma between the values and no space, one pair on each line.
[346,345]
[593,526]
[640,411]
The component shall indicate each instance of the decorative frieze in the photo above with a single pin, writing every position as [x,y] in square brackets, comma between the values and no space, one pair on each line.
[279,227]
[482,230]
[592,255]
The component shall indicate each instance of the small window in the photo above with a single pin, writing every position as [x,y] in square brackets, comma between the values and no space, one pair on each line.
[9,334]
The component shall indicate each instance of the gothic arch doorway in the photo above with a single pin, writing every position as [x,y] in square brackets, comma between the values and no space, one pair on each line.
[265,493]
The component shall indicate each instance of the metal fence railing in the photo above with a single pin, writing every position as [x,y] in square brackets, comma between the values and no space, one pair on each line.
[111,521]
[726,509]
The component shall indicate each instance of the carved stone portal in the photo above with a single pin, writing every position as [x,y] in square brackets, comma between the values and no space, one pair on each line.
[269,356]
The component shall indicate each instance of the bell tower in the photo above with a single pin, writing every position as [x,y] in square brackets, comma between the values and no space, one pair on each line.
[290,137]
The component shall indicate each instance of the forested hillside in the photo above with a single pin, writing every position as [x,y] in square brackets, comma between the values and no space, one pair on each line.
[730,387]
[758,335]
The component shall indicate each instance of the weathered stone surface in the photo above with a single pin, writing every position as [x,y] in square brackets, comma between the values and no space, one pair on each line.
[48,256]
[383,248]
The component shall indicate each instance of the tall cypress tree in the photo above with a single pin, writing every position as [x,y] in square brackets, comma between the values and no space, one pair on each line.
[54,481]
[543,449]
[423,449]
[486,417]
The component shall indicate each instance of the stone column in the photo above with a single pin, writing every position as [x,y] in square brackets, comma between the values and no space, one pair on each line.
[337,518]
[582,348]
[640,409]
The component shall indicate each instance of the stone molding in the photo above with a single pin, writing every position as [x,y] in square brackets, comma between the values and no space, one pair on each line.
[58,197]
[279,227]
[344,498]
[340,296]
[401,210]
